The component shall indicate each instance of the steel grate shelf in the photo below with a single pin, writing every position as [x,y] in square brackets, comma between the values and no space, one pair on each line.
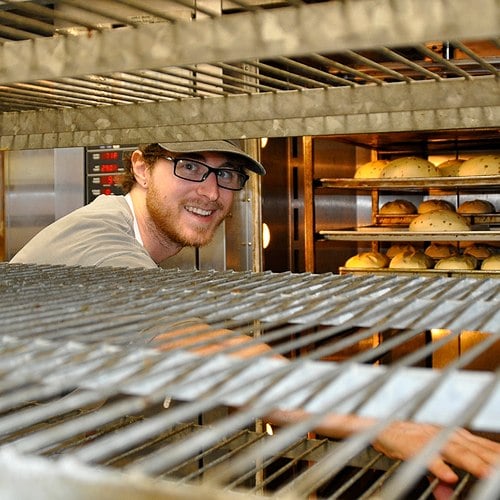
[82,386]
[247,63]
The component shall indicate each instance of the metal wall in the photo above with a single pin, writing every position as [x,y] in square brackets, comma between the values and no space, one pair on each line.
[41,186]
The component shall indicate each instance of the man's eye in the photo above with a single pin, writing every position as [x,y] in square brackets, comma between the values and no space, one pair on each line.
[188,165]
[227,174]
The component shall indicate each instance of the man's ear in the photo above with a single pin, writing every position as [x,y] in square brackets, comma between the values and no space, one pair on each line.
[139,167]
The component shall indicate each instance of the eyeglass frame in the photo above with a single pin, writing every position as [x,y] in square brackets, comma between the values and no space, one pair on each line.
[244,176]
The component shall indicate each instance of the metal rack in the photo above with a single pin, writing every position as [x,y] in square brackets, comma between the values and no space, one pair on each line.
[82,388]
[80,73]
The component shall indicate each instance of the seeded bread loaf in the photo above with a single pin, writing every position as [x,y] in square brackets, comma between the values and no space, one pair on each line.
[450,168]
[439,220]
[480,165]
[410,166]
[370,170]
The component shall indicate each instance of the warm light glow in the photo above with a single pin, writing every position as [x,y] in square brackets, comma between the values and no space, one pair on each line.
[437,333]
[269,429]
[266,235]
[263,142]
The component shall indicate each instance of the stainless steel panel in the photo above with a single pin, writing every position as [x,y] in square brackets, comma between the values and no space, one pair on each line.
[41,186]
[29,195]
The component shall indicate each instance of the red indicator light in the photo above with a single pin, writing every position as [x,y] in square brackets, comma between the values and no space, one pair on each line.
[109,167]
[108,180]
[109,155]
[106,191]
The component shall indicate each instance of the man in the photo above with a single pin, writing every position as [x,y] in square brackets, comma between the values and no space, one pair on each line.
[177,195]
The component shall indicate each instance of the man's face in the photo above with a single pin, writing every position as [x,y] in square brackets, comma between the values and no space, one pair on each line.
[185,212]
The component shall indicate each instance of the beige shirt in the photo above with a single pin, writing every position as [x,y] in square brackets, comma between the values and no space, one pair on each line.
[98,234]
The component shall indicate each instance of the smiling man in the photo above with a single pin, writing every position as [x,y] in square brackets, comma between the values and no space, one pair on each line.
[177,194]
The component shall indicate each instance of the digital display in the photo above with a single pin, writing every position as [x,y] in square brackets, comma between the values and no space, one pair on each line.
[109,167]
[109,155]
[104,170]
[108,180]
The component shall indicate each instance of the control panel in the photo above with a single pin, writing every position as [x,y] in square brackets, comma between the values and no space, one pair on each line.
[104,170]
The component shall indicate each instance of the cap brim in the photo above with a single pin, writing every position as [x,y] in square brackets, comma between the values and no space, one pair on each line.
[214,146]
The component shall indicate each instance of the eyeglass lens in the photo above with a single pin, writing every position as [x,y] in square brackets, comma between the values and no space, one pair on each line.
[196,171]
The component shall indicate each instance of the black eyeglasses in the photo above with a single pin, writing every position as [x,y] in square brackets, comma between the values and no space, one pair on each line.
[196,171]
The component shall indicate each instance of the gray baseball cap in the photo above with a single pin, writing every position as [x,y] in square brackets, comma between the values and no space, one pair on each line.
[225,146]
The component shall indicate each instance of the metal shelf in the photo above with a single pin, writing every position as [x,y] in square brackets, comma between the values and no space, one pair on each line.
[74,75]
[481,182]
[376,233]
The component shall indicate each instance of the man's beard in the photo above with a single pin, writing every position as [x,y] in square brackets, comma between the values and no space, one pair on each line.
[165,221]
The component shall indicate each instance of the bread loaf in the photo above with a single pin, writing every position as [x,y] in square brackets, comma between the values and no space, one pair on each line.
[367,260]
[398,207]
[457,263]
[479,251]
[396,248]
[441,251]
[476,207]
[450,168]
[491,263]
[408,167]
[480,165]
[431,205]
[411,260]
[370,170]
[439,220]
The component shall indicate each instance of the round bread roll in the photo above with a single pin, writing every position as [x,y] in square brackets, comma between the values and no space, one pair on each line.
[491,263]
[457,263]
[481,165]
[439,220]
[410,166]
[411,260]
[450,168]
[441,251]
[367,260]
[398,207]
[476,207]
[370,170]
[479,251]
[431,205]
[396,248]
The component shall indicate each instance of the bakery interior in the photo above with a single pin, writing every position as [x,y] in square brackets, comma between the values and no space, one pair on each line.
[315,90]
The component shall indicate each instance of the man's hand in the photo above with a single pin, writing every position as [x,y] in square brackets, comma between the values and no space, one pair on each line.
[400,440]
[471,453]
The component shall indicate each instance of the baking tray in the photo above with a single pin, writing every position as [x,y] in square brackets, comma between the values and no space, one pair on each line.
[376,233]
[476,273]
[488,182]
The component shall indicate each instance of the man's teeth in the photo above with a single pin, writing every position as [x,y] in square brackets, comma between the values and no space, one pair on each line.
[199,211]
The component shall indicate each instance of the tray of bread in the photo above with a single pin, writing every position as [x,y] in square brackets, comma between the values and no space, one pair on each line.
[412,172]
[434,258]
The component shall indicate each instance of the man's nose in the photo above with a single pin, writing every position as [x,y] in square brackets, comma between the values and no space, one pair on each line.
[209,187]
